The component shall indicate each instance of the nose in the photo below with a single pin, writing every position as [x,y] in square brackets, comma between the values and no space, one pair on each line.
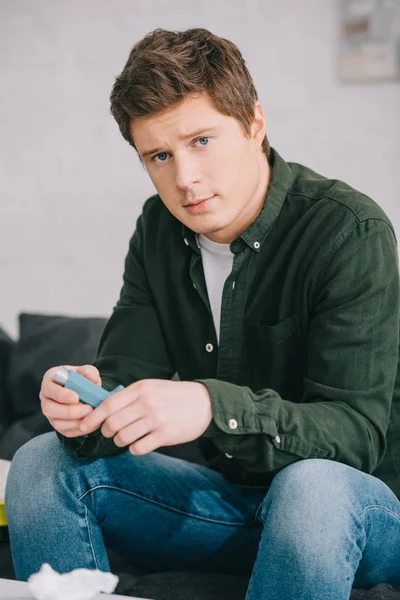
[186,172]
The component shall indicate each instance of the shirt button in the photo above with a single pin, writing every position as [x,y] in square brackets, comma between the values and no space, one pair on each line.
[232,424]
[209,347]
[186,241]
[256,245]
[228,455]
[278,439]
[233,285]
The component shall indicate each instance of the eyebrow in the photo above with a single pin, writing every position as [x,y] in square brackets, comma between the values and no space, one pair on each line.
[182,137]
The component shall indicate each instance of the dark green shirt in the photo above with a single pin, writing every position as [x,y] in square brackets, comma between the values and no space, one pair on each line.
[308,356]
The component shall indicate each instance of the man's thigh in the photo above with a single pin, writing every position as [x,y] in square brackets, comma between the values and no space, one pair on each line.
[164,513]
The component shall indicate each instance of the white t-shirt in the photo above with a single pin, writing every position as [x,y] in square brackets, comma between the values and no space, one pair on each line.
[217,265]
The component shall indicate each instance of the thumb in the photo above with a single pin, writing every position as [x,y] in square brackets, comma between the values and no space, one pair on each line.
[90,372]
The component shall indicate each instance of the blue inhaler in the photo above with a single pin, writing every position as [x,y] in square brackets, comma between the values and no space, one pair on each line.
[88,392]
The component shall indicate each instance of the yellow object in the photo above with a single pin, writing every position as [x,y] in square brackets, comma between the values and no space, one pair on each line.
[4,469]
[3,516]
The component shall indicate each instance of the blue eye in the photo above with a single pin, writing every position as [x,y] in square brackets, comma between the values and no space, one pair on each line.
[160,155]
[163,156]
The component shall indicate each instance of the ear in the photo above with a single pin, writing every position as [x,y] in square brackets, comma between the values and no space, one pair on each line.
[258,125]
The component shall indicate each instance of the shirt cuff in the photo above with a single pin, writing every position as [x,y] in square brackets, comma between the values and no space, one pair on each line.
[235,410]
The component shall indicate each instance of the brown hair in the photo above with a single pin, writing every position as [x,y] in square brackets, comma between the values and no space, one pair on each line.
[166,66]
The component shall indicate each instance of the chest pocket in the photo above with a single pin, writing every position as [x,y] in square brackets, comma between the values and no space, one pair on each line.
[278,358]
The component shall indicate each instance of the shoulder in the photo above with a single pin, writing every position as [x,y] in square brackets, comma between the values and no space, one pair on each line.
[153,209]
[334,199]
[156,227]
[155,217]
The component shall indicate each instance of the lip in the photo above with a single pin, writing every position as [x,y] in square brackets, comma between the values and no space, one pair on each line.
[198,205]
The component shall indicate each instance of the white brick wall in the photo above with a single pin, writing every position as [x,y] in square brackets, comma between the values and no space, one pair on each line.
[71,187]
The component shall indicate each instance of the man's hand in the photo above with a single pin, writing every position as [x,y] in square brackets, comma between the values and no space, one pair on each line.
[152,413]
[61,406]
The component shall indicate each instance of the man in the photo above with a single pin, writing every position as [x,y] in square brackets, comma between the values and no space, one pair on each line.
[273,292]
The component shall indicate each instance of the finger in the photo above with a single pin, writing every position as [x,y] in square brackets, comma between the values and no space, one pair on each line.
[90,372]
[131,433]
[71,434]
[55,410]
[124,417]
[146,444]
[49,374]
[111,405]
[58,393]
[66,426]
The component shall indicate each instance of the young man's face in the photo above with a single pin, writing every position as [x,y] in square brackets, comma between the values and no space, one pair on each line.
[209,174]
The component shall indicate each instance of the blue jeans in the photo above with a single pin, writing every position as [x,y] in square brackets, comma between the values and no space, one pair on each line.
[321,528]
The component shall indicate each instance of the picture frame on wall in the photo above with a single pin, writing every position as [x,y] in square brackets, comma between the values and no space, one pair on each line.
[370,40]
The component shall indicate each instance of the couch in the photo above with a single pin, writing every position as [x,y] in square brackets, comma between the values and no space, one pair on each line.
[48,340]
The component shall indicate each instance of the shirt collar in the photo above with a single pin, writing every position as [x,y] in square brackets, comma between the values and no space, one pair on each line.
[255,235]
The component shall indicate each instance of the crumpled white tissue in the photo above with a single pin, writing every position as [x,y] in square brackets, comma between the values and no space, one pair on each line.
[79,584]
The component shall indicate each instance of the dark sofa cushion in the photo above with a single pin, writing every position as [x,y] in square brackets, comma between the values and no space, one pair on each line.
[187,586]
[212,586]
[47,341]
[6,411]
[20,432]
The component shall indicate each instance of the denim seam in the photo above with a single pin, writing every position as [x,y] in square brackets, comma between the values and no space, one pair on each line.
[110,487]
[362,517]
[257,515]
[258,527]
[90,537]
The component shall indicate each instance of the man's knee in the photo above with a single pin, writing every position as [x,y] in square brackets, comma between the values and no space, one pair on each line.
[33,467]
[308,508]
[309,491]
[41,451]
[314,477]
